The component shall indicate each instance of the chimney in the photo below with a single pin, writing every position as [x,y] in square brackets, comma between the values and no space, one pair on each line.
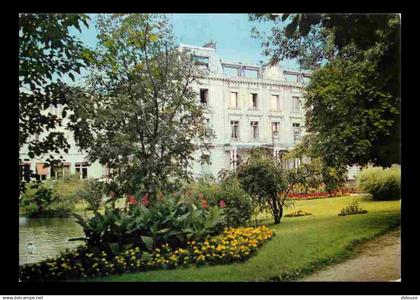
[210,45]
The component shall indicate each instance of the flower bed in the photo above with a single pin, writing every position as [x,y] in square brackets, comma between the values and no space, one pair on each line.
[234,244]
[318,195]
[298,213]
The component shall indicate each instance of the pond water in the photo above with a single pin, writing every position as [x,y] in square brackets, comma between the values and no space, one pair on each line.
[49,236]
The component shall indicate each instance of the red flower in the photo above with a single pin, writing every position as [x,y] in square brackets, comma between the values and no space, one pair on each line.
[222,204]
[112,194]
[145,200]
[204,204]
[132,200]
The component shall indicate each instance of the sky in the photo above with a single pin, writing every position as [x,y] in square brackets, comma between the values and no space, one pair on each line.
[230,32]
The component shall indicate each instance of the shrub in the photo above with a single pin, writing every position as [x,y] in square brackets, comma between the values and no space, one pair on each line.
[174,219]
[298,213]
[382,184]
[52,198]
[233,245]
[92,194]
[352,209]
[239,207]
[37,199]
[237,202]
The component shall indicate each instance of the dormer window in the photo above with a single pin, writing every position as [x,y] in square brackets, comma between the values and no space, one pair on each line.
[201,61]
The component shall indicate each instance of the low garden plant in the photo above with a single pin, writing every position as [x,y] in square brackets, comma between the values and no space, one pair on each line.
[237,203]
[233,245]
[298,213]
[173,220]
[352,209]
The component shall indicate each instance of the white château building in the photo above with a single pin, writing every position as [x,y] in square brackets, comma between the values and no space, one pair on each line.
[247,106]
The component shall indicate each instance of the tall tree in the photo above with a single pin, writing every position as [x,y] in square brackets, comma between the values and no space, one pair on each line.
[47,53]
[144,120]
[353,100]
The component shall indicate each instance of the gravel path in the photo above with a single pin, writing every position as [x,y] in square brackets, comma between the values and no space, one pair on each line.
[376,260]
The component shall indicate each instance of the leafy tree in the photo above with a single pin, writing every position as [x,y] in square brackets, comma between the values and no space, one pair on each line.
[47,53]
[141,114]
[264,178]
[333,177]
[353,99]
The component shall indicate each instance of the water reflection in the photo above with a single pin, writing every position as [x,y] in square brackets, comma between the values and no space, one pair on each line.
[49,237]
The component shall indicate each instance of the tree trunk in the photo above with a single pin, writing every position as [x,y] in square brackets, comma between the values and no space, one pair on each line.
[276,212]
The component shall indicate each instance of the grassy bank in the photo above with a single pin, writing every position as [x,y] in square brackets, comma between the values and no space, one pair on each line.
[300,245]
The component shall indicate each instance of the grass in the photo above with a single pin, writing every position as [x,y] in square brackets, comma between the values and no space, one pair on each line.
[300,245]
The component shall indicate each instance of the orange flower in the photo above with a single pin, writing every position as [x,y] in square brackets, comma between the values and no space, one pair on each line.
[204,204]
[132,200]
[145,200]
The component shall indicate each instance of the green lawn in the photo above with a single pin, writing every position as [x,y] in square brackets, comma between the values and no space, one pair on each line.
[300,244]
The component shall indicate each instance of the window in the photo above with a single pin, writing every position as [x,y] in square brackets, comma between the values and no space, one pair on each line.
[275,102]
[254,130]
[295,104]
[25,170]
[233,99]
[41,171]
[60,170]
[275,128]
[82,170]
[253,101]
[204,97]
[201,61]
[235,129]
[296,131]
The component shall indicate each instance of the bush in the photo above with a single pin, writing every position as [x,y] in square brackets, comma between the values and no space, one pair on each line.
[233,245]
[52,198]
[92,194]
[382,184]
[174,219]
[352,209]
[37,199]
[298,213]
[237,203]
[239,206]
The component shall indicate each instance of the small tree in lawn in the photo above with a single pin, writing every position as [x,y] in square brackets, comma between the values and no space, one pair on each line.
[144,120]
[264,178]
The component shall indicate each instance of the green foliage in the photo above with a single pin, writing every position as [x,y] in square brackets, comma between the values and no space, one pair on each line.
[353,99]
[352,209]
[47,54]
[52,198]
[382,184]
[264,179]
[239,205]
[147,120]
[297,213]
[234,245]
[36,200]
[92,193]
[68,187]
[174,219]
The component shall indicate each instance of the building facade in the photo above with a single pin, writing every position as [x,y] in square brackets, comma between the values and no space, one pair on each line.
[247,106]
